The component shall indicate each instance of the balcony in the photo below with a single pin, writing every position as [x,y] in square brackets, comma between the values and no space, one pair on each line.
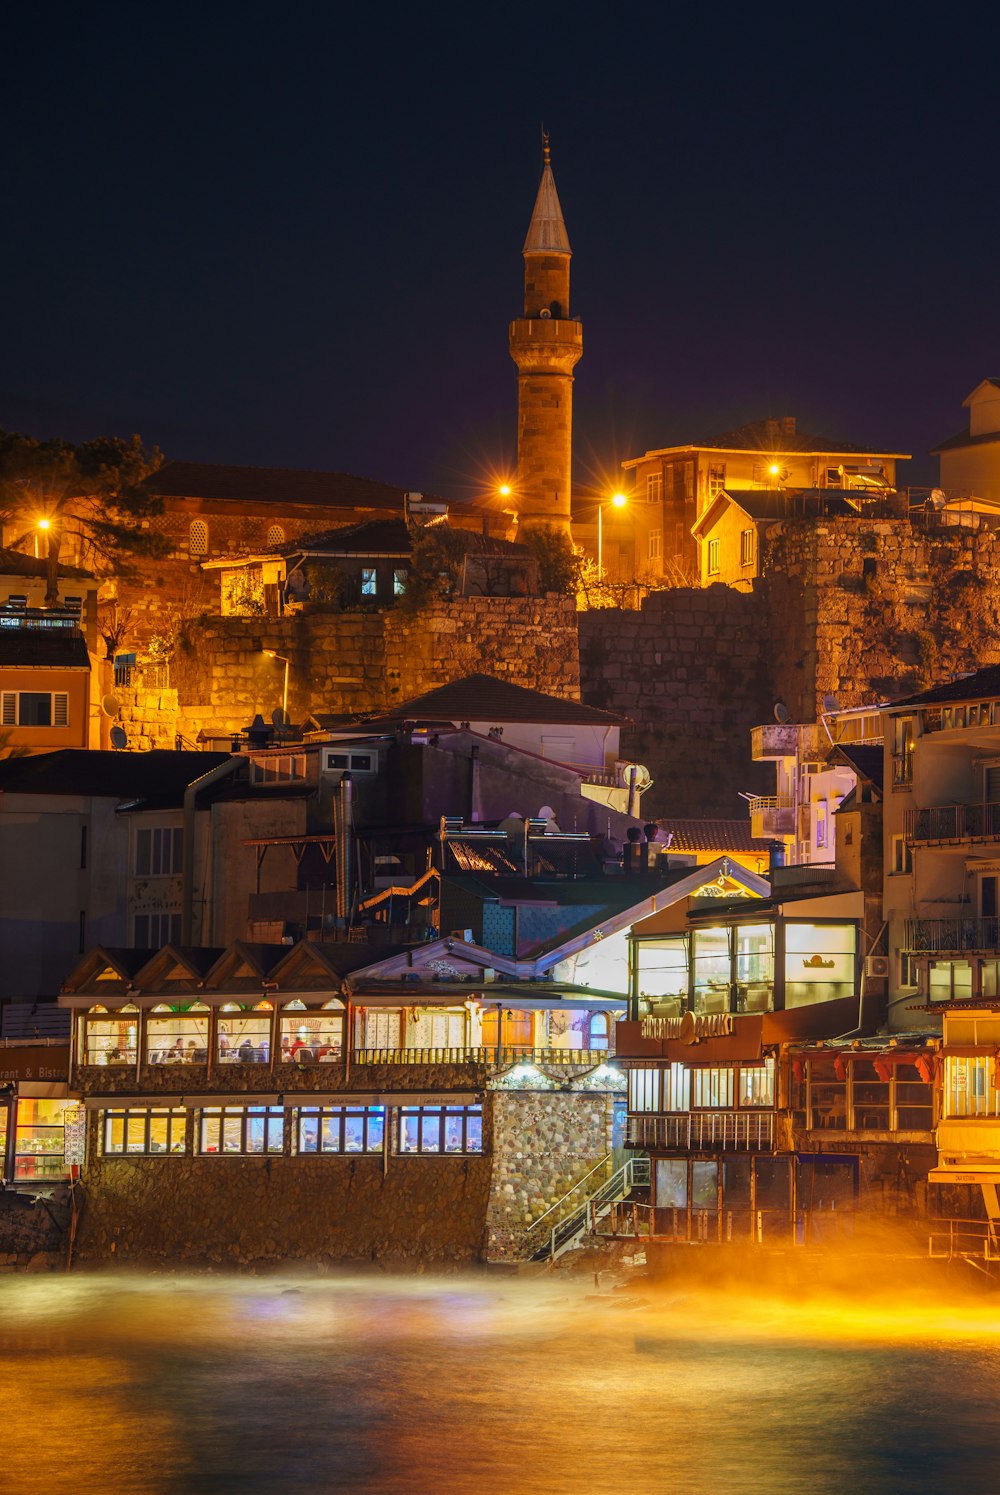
[959,936]
[946,825]
[708,1131]
[775,740]
[492,1055]
[772,815]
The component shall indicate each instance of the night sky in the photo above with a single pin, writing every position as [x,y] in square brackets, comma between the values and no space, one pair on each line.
[291,234]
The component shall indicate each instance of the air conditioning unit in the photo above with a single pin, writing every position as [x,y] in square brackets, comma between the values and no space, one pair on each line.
[877,966]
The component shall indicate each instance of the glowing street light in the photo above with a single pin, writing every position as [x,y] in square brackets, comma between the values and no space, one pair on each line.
[41,524]
[284,694]
[618,501]
[504,490]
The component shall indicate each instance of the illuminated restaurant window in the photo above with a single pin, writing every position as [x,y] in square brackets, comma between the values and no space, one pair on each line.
[176,1037]
[339,1129]
[754,967]
[243,1038]
[662,967]
[819,962]
[969,1087]
[713,1088]
[39,1139]
[440,1129]
[949,980]
[111,1039]
[312,1037]
[144,1130]
[757,1084]
[712,970]
[241,1130]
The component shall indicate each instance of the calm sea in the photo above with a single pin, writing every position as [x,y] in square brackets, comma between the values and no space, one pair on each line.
[139,1385]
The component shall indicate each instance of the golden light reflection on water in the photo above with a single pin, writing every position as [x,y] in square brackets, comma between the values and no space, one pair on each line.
[154,1385]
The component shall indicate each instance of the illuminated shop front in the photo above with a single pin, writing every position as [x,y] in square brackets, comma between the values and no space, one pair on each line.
[34,1104]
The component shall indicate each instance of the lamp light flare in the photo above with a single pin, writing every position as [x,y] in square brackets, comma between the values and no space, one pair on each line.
[774,469]
[504,490]
[619,500]
[44,523]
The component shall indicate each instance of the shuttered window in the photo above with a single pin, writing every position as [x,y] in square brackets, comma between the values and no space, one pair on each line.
[992,784]
[35,708]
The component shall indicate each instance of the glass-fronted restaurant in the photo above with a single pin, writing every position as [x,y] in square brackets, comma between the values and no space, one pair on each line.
[745,965]
[34,1103]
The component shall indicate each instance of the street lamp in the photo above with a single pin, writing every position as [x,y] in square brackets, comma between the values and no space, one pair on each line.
[42,524]
[284,694]
[618,501]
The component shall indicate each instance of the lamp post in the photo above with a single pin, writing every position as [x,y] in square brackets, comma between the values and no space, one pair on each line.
[43,525]
[284,694]
[618,501]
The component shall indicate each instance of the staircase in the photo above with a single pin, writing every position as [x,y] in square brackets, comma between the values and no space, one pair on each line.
[586,1215]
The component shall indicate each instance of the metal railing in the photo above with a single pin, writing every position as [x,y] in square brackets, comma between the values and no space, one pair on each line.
[151,675]
[590,1214]
[489,1054]
[761,802]
[953,823]
[714,1130]
[958,935]
[970,1240]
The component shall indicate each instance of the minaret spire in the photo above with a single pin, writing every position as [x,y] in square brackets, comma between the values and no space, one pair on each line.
[545,343]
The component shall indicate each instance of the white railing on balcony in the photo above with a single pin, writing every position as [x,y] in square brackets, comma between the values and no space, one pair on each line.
[490,1054]
[762,802]
[953,823]
[747,1130]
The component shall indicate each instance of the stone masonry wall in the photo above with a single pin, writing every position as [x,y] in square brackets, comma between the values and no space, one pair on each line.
[367,660]
[149,717]
[692,672]
[543,1143]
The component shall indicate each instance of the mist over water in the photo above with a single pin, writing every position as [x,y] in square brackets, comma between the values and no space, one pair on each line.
[148,1385]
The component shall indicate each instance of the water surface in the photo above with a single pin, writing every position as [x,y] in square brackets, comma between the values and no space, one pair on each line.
[147,1385]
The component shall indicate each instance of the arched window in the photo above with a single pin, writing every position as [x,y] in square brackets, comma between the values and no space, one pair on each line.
[276,535]
[599,1030]
[198,537]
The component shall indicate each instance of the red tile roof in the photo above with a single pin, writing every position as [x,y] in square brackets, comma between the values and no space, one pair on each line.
[712,835]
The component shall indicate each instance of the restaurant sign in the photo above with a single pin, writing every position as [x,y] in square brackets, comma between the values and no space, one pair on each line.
[690,1028]
[46,1062]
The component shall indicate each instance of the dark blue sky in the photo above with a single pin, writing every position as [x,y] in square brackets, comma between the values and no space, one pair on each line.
[291,234]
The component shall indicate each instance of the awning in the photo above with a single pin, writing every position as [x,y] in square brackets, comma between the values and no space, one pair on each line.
[418,996]
[42,1090]
[973,1175]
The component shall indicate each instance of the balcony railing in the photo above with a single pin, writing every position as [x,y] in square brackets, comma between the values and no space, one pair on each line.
[490,1054]
[712,1130]
[945,823]
[151,675]
[772,815]
[953,936]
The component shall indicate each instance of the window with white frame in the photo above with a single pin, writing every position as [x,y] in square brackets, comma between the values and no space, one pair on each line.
[232,1131]
[311,1037]
[713,1087]
[148,1131]
[654,487]
[677,1088]
[35,708]
[949,980]
[902,855]
[440,1129]
[369,581]
[111,1038]
[746,547]
[177,1037]
[655,544]
[198,538]
[153,931]
[716,478]
[644,1090]
[159,851]
[714,566]
[757,1084]
[970,1086]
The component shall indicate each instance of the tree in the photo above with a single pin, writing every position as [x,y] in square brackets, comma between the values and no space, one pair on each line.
[51,491]
[558,563]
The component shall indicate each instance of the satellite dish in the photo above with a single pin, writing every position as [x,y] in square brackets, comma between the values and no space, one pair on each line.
[279,718]
[111,706]
[780,712]
[830,703]
[119,738]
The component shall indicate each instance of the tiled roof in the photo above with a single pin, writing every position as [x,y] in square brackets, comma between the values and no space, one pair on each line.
[13,563]
[711,835]
[110,775]
[43,648]
[761,436]
[392,537]
[273,485]
[980,685]
[484,698]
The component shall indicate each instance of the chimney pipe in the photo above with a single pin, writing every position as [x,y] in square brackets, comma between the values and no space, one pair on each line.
[345,849]
[788,425]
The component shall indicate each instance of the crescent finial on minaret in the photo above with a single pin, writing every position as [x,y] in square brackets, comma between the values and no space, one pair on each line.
[546,152]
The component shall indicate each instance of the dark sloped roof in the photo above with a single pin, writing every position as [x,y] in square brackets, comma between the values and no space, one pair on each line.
[44,648]
[981,684]
[13,563]
[761,436]
[106,774]
[482,697]
[867,760]
[392,537]
[273,485]
[711,835]
[963,438]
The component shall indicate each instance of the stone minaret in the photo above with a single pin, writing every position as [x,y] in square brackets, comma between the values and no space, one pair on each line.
[546,344]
